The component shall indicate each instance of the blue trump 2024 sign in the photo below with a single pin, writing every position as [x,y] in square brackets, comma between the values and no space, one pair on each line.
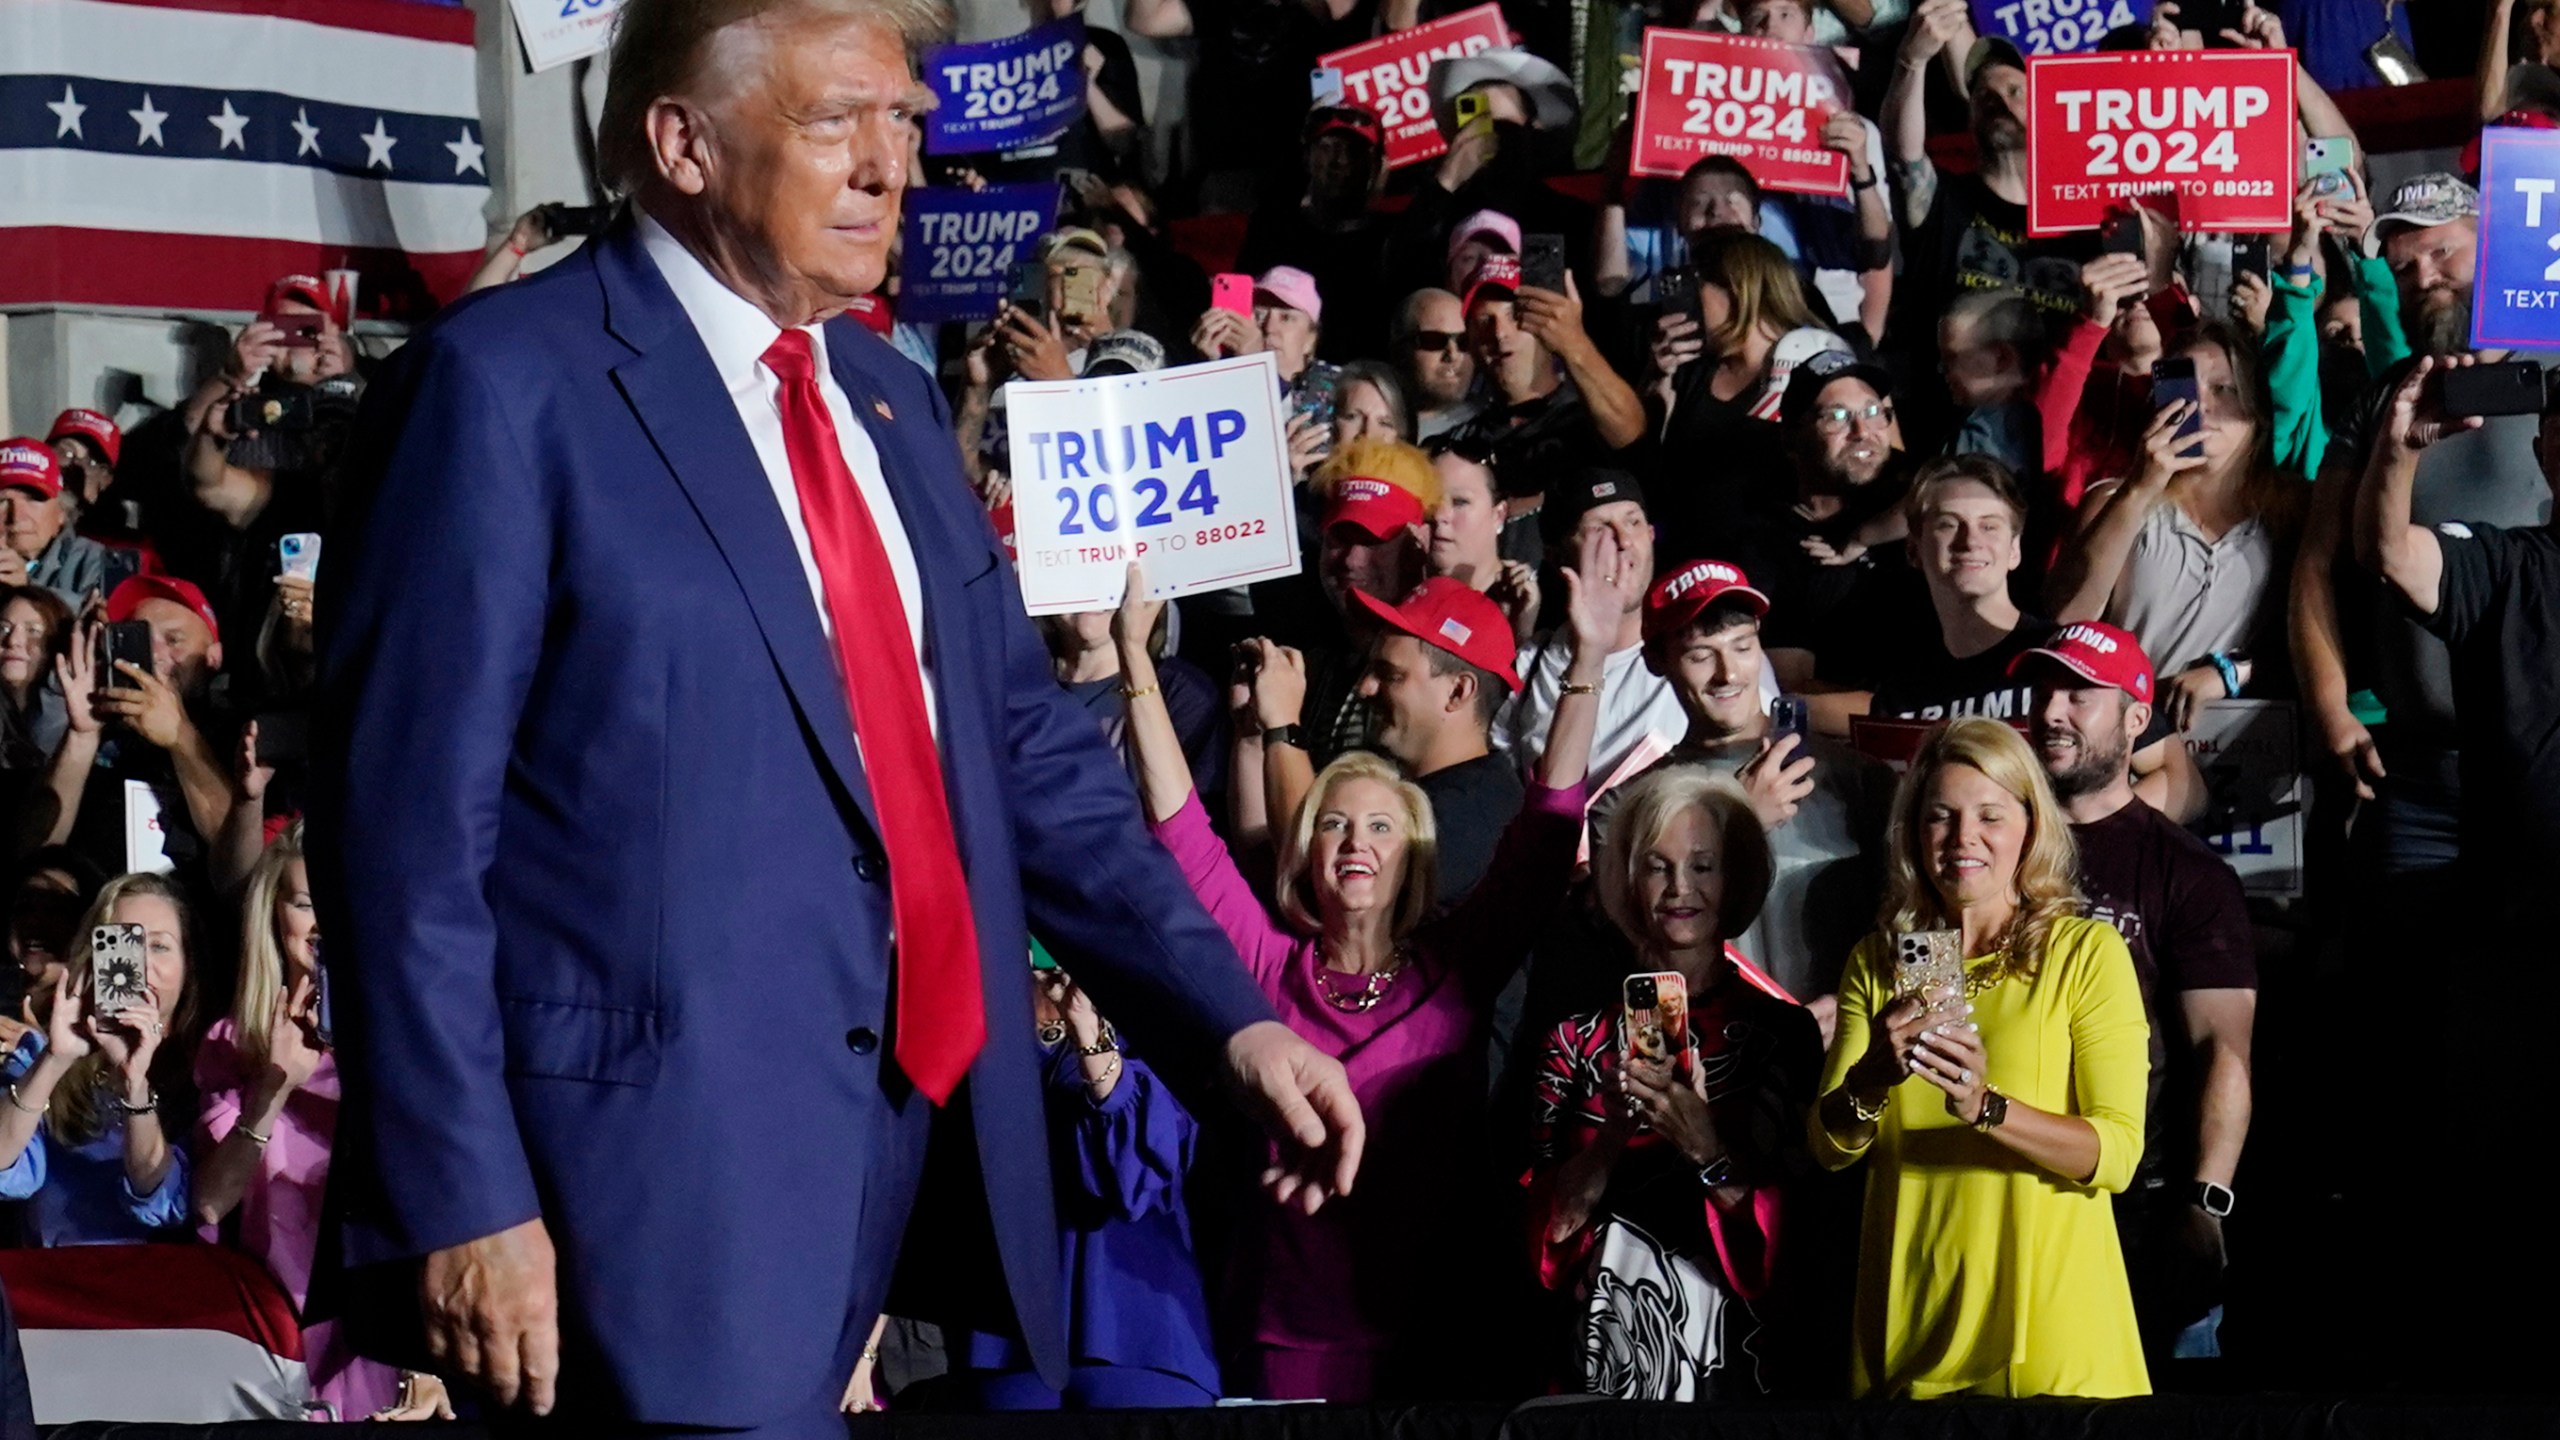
[2057,27]
[2515,299]
[1005,94]
[961,247]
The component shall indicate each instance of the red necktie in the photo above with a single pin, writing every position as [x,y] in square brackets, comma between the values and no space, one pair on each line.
[941,1015]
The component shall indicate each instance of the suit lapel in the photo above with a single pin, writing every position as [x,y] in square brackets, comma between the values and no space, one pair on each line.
[678,397]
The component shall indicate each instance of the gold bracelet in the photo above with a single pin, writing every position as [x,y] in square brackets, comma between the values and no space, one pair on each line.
[1857,1108]
[1106,1076]
[257,1139]
[1128,694]
[22,1106]
[1570,688]
[871,1354]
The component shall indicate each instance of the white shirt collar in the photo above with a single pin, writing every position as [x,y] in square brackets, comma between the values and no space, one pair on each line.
[735,332]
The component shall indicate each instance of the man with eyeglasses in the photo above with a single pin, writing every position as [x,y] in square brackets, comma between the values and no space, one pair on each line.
[1816,539]
[1438,369]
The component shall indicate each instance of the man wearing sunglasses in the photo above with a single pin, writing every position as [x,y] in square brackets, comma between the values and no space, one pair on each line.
[1439,370]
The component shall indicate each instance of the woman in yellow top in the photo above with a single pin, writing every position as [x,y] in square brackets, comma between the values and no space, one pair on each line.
[1996,1125]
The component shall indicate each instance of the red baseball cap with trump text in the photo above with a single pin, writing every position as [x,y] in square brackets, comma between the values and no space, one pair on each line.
[128,597]
[2098,653]
[93,426]
[1683,595]
[1454,616]
[1373,507]
[27,463]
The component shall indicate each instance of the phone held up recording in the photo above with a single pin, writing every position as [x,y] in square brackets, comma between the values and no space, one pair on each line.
[1929,965]
[2174,379]
[2510,387]
[1655,1027]
[118,977]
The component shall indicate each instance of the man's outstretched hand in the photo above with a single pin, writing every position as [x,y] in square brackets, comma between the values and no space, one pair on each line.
[492,1310]
[1301,1095]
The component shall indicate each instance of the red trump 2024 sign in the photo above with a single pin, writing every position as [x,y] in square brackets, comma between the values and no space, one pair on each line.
[1389,76]
[2213,128]
[1760,101]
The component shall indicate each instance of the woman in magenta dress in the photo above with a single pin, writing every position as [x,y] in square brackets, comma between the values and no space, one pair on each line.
[1361,1300]
[270,1108]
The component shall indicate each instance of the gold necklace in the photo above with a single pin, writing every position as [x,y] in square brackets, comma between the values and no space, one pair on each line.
[1373,986]
[1998,968]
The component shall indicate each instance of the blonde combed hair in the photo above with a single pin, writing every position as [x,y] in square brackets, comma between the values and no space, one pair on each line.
[1297,897]
[1371,457]
[2047,882]
[261,957]
[77,1112]
[658,50]
[1644,816]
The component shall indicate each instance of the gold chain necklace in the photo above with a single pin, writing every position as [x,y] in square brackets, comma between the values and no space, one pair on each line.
[1373,986]
[1998,968]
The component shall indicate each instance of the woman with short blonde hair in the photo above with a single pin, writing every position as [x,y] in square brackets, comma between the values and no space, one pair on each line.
[1664,1148]
[1998,1108]
[1349,1303]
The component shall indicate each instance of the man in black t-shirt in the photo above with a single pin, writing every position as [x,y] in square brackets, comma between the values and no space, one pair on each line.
[2182,914]
[1439,669]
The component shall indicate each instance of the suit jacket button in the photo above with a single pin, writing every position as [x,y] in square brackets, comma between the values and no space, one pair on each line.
[865,868]
[861,1040]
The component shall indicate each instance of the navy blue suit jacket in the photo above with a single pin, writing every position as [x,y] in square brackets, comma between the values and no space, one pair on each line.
[606,905]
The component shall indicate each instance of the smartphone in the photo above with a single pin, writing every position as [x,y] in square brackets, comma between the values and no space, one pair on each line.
[1542,262]
[2327,163]
[2210,18]
[301,329]
[1316,391]
[564,221]
[1790,715]
[2121,233]
[298,555]
[1029,290]
[122,564]
[1080,294]
[2251,255]
[128,642]
[2172,380]
[1677,292]
[117,979]
[1324,86]
[2512,387]
[1930,964]
[1231,292]
[2392,61]
[284,737]
[1657,1019]
[1470,108]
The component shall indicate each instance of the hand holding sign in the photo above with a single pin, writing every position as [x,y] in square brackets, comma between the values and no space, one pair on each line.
[1390,76]
[2515,300]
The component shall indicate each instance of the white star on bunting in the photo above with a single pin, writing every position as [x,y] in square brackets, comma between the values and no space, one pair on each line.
[377,145]
[68,110]
[306,134]
[466,154]
[233,125]
[147,120]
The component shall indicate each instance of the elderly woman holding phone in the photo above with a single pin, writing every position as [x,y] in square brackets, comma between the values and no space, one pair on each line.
[1361,1300]
[1668,1128]
[1998,1107]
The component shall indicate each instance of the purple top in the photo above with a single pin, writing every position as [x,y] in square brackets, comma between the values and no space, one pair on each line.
[1133,1284]
[1356,1275]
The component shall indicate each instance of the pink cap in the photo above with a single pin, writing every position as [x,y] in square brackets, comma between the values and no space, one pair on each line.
[1294,288]
[1485,222]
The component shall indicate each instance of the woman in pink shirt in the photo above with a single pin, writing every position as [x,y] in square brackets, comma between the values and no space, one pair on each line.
[1366,1298]
[270,1108]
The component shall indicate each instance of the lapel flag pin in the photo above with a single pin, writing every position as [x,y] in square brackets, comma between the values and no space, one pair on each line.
[883,407]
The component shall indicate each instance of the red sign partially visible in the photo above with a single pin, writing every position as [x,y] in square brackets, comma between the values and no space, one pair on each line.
[1762,102]
[1389,76]
[2214,128]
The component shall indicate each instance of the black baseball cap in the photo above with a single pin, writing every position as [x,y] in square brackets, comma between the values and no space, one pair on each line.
[1587,490]
[1805,384]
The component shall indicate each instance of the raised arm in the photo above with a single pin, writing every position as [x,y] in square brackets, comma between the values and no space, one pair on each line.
[1906,117]
[2495,27]
[2112,515]
[2403,553]
[1617,413]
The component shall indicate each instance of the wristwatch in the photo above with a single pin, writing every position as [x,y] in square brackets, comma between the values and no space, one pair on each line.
[1291,735]
[2214,1200]
[1995,1109]
[1717,1173]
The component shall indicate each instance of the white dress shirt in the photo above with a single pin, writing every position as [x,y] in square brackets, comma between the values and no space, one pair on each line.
[737,334]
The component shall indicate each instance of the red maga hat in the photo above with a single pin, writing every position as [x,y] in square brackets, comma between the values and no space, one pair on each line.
[2098,653]
[1451,615]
